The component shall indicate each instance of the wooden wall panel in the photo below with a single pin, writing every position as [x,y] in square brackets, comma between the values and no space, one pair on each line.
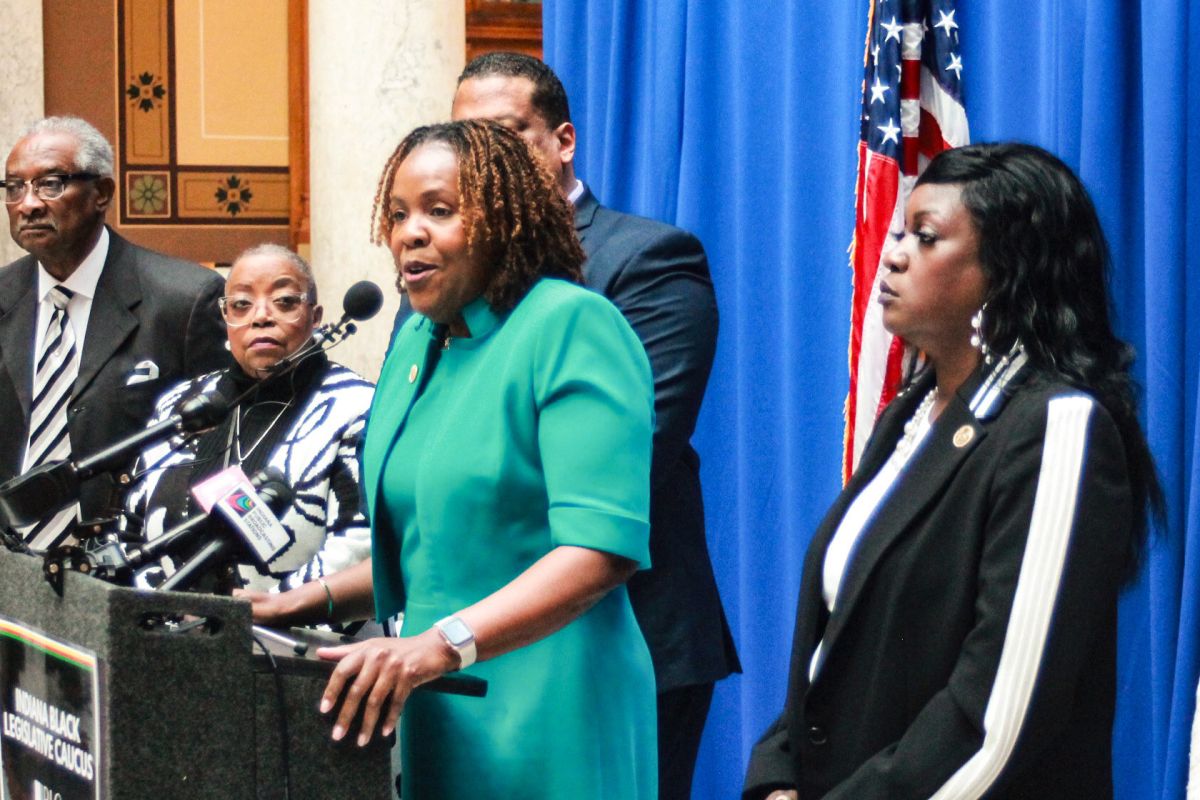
[504,25]
[84,78]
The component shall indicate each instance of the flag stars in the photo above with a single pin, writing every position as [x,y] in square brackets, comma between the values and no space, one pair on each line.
[946,22]
[955,65]
[877,91]
[893,29]
[891,132]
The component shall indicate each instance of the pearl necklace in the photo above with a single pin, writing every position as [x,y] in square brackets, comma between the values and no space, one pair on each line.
[913,426]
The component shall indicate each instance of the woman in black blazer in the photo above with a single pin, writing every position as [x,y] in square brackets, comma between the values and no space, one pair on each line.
[956,629]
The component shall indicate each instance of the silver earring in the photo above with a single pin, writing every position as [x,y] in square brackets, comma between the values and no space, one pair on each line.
[977,340]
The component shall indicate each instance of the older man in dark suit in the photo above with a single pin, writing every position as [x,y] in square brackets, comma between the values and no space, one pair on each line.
[657,275]
[92,327]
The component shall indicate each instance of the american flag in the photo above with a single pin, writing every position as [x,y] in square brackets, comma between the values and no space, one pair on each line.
[912,109]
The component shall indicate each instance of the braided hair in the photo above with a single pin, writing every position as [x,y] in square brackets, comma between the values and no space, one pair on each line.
[514,214]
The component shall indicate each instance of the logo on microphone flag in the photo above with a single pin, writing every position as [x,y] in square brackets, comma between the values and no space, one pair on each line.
[240,502]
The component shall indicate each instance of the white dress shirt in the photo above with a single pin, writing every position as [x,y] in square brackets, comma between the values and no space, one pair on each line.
[82,282]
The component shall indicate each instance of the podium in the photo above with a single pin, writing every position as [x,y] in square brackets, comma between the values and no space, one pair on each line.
[191,711]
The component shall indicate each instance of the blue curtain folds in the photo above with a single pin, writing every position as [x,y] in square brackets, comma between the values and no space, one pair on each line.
[738,121]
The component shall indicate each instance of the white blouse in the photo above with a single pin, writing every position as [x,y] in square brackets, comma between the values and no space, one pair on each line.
[862,510]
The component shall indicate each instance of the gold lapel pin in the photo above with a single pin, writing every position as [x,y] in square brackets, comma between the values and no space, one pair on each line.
[963,436]
[412,373]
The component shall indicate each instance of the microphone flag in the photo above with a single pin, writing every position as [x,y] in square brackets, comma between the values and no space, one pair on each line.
[234,497]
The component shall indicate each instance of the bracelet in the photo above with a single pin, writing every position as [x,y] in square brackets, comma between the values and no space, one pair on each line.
[328,598]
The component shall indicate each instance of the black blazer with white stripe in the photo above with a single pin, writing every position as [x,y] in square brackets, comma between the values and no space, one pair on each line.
[972,651]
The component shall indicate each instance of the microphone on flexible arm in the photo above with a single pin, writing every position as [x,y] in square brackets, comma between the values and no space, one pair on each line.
[54,485]
[361,302]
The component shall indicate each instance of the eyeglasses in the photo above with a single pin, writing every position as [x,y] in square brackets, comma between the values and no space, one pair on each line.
[47,187]
[239,309]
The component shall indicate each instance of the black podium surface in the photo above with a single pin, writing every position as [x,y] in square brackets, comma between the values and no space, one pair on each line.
[190,711]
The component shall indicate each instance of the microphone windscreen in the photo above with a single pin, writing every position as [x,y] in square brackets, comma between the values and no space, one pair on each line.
[203,411]
[272,488]
[363,300]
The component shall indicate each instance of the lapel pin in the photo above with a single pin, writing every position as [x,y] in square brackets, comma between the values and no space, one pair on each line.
[963,436]
[412,374]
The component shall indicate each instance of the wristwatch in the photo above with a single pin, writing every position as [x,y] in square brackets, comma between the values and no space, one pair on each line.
[459,636]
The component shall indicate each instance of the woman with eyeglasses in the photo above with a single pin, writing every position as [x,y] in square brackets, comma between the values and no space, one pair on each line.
[306,423]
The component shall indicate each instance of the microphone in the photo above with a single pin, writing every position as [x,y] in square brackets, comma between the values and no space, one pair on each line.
[112,562]
[252,514]
[54,485]
[361,302]
[272,489]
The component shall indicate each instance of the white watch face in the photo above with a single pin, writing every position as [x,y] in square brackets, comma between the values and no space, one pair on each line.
[457,632]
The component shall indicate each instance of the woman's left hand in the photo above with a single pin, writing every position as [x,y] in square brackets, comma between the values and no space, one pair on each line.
[378,671]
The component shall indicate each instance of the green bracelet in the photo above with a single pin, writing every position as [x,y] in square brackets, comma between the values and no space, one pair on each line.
[328,598]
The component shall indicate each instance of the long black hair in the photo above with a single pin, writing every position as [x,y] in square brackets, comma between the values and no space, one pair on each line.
[1046,260]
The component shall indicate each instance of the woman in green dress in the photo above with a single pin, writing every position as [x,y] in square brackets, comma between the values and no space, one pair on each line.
[506,469]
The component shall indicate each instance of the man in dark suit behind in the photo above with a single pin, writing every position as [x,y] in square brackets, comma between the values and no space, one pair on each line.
[140,321]
[657,275]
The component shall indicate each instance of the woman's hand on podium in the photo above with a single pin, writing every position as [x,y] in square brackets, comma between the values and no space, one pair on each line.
[269,608]
[338,597]
[381,673]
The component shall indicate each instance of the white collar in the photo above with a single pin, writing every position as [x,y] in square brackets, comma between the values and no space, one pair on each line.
[85,277]
[576,192]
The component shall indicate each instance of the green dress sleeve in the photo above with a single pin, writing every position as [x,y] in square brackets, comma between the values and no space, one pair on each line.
[595,401]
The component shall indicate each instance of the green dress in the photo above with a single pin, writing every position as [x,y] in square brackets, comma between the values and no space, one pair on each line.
[532,433]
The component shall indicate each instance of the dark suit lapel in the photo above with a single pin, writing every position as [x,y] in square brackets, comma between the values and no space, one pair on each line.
[585,213]
[812,601]
[18,315]
[112,319]
[955,435]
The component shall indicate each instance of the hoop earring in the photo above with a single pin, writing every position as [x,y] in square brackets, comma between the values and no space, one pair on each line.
[977,340]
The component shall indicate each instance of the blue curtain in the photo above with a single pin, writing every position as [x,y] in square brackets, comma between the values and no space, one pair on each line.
[738,121]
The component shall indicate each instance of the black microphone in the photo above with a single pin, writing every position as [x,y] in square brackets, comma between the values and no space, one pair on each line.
[54,485]
[271,488]
[362,301]
[116,562]
[229,539]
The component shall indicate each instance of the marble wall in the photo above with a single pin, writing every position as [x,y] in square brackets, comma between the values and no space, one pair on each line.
[21,75]
[374,75]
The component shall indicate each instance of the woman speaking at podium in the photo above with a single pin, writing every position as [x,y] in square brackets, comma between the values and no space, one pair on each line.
[305,423]
[506,466]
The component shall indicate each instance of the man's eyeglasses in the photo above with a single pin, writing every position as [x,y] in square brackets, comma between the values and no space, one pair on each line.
[239,309]
[47,187]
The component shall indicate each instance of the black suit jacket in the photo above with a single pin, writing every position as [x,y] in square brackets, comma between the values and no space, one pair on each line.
[972,648]
[148,307]
[657,275]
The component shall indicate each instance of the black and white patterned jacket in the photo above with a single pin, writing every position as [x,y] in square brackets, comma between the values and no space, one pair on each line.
[318,457]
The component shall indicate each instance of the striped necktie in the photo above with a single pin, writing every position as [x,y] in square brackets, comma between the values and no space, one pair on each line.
[53,379]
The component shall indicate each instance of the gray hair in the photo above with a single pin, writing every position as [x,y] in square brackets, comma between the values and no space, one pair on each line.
[95,154]
[293,258]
